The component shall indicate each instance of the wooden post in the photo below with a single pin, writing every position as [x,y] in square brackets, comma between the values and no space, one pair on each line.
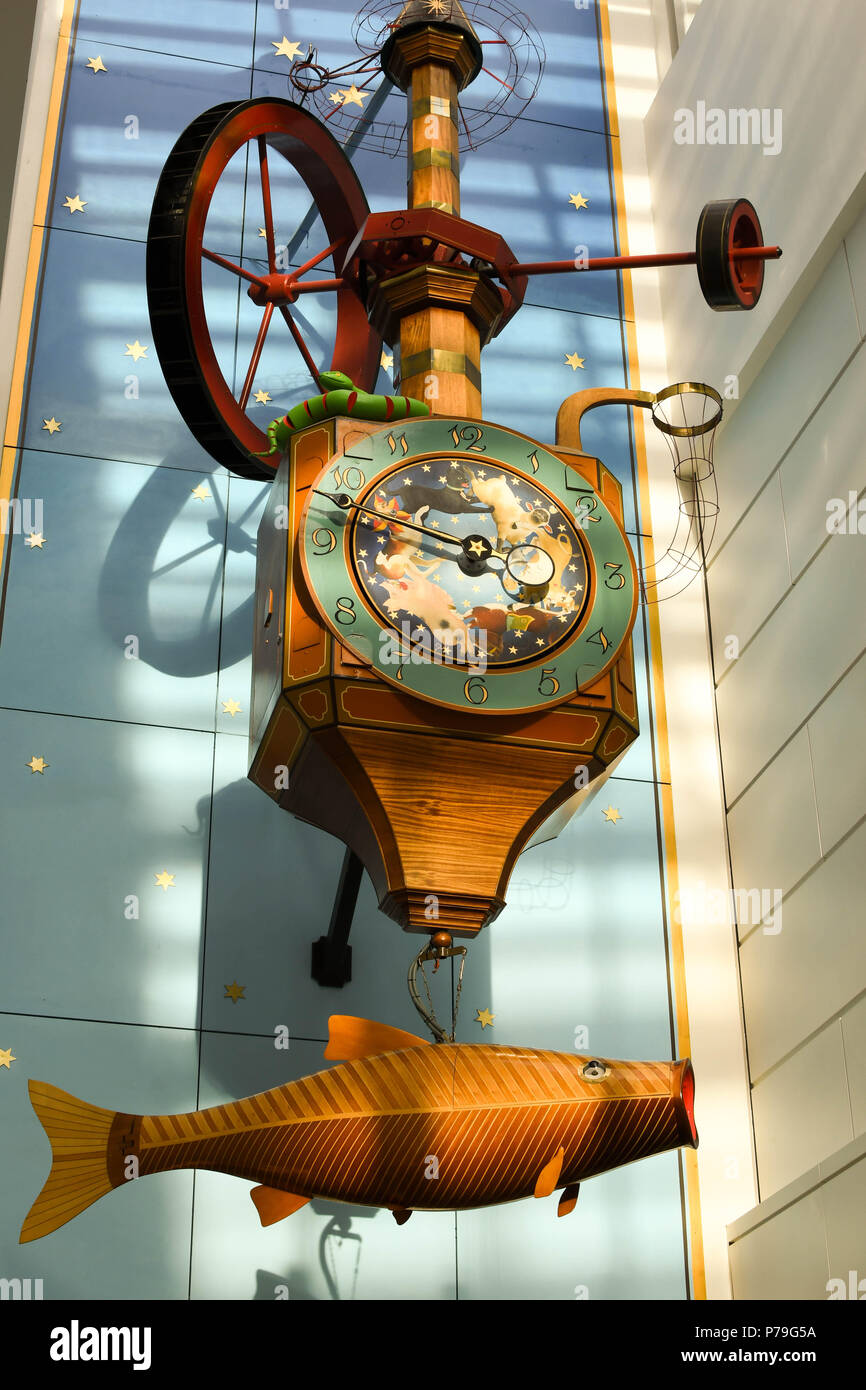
[442,313]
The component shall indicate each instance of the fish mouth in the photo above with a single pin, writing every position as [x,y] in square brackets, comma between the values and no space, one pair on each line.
[685,1103]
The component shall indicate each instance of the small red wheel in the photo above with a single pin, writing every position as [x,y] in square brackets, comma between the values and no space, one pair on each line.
[724,228]
[214,402]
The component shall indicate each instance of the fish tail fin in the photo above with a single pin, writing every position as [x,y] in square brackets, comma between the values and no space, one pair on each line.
[79,1135]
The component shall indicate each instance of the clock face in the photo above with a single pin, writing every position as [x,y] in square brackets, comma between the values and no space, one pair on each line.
[452,557]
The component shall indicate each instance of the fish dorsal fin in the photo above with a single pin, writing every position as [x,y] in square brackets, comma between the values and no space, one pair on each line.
[349,1038]
[273,1205]
[568,1200]
[549,1175]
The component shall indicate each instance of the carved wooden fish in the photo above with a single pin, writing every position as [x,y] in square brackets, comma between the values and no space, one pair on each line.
[402,1124]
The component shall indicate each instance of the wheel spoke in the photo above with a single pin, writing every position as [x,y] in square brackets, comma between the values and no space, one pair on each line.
[256,357]
[235,269]
[308,265]
[266,204]
[302,346]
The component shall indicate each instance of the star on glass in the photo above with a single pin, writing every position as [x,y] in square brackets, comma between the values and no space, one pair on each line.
[262,397]
[612,814]
[234,991]
[74,203]
[37,764]
[200,493]
[164,881]
[135,350]
[578,200]
[52,425]
[573,361]
[35,540]
[285,48]
[231,707]
[7,1056]
[96,64]
[484,1017]
[386,360]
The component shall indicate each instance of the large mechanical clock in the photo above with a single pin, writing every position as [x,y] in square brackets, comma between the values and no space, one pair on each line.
[444,606]
[461,568]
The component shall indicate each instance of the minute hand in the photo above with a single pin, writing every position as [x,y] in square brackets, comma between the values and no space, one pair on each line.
[341,499]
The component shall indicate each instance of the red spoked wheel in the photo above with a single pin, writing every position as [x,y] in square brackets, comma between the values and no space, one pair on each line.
[212,387]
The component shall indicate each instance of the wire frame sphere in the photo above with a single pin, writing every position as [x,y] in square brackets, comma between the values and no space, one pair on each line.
[514,60]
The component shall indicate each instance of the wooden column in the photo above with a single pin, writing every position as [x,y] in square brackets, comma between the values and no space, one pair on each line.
[443,314]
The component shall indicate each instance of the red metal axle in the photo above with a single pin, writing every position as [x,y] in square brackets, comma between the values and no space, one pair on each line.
[745,253]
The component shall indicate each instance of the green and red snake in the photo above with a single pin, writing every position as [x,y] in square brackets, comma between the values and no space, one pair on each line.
[340,397]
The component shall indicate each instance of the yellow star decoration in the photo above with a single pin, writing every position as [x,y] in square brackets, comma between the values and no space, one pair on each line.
[164,881]
[573,361]
[74,204]
[234,991]
[263,397]
[436,6]
[6,1057]
[286,48]
[232,707]
[52,425]
[262,232]
[386,360]
[612,814]
[135,350]
[37,764]
[35,540]
[353,97]
[578,200]
[200,493]
[96,64]
[484,1017]
[337,98]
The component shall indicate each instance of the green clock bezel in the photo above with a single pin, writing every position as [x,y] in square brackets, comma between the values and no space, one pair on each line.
[607,617]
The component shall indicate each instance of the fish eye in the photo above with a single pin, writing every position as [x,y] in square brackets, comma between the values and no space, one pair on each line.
[593,1070]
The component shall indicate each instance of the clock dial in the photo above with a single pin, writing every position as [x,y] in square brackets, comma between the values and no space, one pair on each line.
[459,589]
[455,559]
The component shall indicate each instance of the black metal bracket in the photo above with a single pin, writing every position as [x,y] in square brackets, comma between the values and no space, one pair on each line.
[332,954]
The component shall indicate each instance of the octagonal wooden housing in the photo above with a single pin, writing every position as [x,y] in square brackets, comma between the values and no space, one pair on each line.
[436,803]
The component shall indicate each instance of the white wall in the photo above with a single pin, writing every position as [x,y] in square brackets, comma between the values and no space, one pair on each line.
[786,597]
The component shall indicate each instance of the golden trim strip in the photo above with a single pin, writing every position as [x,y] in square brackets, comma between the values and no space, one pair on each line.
[38,233]
[436,159]
[699,1284]
[440,360]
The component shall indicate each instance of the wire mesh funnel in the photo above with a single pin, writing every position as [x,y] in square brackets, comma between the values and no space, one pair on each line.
[687,414]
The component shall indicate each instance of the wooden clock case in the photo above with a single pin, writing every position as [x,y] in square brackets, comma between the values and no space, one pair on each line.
[435,802]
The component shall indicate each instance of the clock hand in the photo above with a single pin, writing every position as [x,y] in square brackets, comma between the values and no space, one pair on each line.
[476,549]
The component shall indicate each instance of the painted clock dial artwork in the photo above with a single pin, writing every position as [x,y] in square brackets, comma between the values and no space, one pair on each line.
[462,575]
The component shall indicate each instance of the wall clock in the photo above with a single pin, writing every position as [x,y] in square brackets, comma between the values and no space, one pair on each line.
[468,549]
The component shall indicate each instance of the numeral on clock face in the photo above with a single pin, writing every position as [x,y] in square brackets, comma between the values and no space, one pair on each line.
[616,580]
[599,639]
[345,613]
[325,539]
[351,477]
[469,438]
